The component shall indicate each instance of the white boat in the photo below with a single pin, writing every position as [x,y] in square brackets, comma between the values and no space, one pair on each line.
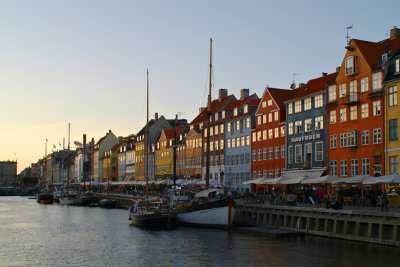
[208,208]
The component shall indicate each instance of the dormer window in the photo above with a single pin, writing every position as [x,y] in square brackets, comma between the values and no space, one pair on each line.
[246,108]
[235,112]
[350,65]
[223,114]
[397,65]
[216,116]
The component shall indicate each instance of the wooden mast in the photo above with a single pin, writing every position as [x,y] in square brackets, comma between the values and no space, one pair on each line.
[146,137]
[208,122]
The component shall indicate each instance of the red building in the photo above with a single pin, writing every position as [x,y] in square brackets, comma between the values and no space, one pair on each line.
[355,109]
[268,138]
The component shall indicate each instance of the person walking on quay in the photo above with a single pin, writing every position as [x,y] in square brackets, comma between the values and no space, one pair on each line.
[384,201]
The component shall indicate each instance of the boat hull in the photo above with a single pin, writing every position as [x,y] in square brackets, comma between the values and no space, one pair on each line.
[108,204]
[220,217]
[156,221]
[45,198]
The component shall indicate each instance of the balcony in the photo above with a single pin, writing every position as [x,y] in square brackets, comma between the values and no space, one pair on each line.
[351,99]
[376,93]
[331,104]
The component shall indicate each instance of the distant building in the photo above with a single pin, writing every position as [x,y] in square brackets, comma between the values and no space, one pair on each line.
[8,173]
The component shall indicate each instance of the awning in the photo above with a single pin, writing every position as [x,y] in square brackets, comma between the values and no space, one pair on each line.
[320,180]
[271,181]
[353,180]
[310,173]
[387,179]
[256,181]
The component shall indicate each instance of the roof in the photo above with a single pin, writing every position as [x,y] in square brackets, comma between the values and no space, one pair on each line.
[279,96]
[313,86]
[169,133]
[241,102]
[216,105]
[391,69]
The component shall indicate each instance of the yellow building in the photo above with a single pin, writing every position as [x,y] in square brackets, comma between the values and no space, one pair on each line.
[193,154]
[392,115]
[164,154]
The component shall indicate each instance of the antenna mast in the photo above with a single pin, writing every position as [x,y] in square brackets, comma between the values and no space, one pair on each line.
[146,137]
[347,35]
[208,122]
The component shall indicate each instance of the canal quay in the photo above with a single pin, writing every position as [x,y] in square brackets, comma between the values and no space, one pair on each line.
[356,223]
[56,235]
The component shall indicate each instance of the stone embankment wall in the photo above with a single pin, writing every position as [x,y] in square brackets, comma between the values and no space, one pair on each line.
[357,225]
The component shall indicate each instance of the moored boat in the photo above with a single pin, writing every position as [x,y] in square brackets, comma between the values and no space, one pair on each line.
[151,214]
[108,203]
[45,198]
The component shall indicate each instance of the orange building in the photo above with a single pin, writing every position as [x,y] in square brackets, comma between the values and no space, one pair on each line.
[355,109]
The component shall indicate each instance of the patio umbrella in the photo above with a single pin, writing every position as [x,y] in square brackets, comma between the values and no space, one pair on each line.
[386,179]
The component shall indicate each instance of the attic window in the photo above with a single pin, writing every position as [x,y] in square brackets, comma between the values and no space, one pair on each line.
[223,114]
[269,102]
[397,65]
[246,109]
[235,112]
[351,65]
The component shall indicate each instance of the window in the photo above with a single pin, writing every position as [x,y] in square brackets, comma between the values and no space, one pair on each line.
[397,65]
[364,111]
[333,167]
[269,102]
[318,101]
[352,138]
[247,140]
[333,142]
[376,108]
[264,153]
[307,125]
[298,127]
[353,113]
[277,152]
[270,134]
[283,152]
[332,117]
[297,106]
[276,116]
[233,142]
[343,140]
[365,166]
[342,90]
[290,126]
[319,153]
[376,81]
[276,130]
[393,130]
[259,137]
[276,173]
[282,131]
[343,167]
[332,93]
[270,152]
[307,103]
[319,123]
[364,85]
[394,165]
[254,137]
[290,154]
[242,141]
[350,65]
[298,153]
[290,108]
[264,104]
[248,123]
[259,120]
[353,91]
[259,154]
[247,158]
[392,96]
[216,129]
[377,139]
[228,129]
[264,135]
[354,167]
[364,137]
[342,115]
[270,117]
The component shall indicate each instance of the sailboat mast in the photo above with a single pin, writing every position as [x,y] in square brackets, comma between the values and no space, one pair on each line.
[208,122]
[68,159]
[146,137]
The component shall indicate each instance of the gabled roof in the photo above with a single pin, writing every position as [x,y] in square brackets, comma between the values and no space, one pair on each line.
[313,86]
[169,133]
[279,96]
[241,102]
[216,106]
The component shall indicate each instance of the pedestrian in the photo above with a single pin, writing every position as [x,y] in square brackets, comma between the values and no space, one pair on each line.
[384,201]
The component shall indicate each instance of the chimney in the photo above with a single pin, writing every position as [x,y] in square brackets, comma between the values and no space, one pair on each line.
[84,140]
[394,33]
[92,142]
[324,74]
[156,116]
[222,93]
[109,131]
[244,93]
[337,69]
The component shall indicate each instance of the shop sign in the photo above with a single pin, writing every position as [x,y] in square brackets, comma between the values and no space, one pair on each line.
[306,138]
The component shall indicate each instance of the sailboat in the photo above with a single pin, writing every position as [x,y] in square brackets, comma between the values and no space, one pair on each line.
[150,212]
[67,198]
[210,207]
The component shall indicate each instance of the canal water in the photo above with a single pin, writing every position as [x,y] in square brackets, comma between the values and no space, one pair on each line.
[53,235]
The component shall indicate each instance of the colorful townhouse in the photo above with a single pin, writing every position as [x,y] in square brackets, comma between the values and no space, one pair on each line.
[110,164]
[268,135]
[355,109]
[217,119]
[164,152]
[193,153]
[104,144]
[181,154]
[239,120]
[392,114]
[306,124]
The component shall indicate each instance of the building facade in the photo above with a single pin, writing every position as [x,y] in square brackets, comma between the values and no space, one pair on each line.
[8,173]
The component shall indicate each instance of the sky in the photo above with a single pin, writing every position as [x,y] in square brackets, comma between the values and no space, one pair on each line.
[84,62]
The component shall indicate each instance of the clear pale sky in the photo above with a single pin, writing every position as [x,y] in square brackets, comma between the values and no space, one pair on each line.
[85,62]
